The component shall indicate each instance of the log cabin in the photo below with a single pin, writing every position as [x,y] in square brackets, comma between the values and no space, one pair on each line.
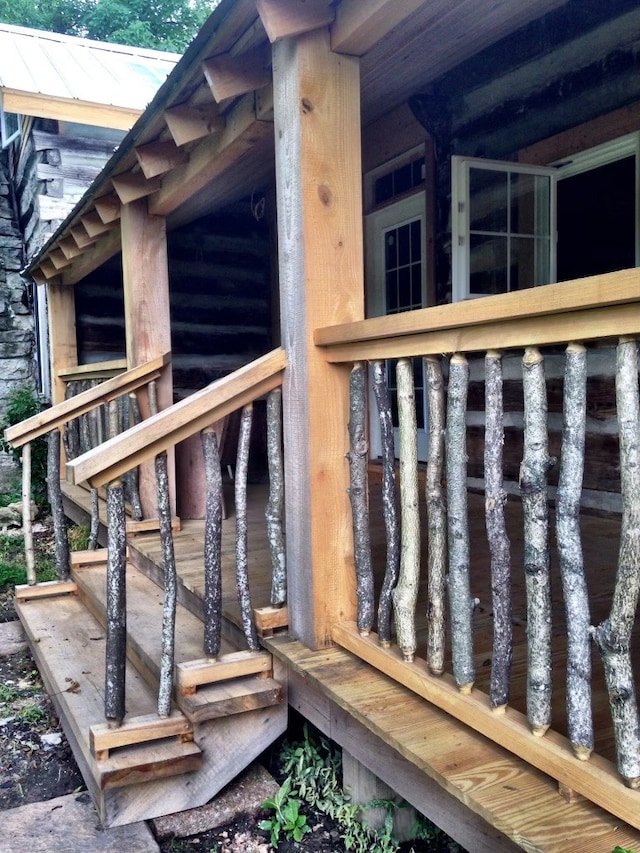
[372,266]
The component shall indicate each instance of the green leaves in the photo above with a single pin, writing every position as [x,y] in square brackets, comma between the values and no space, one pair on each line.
[287,818]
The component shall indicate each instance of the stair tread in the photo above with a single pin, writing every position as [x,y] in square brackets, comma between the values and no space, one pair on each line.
[231,697]
[130,765]
[69,648]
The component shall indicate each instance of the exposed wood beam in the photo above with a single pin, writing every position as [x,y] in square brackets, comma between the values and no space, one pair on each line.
[188,124]
[231,76]
[108,208]
[157,158]
[286,18]
[80,112]
[358,26]
[58,259]
[319,214]
[93,224]
[211,158]
[130,186]
[38,276]
[79,234]
[70,248]
[47,268]
[107,246]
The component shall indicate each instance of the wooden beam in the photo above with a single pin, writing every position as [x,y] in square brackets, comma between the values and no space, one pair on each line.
[108,207]
[131,186]
[99,251]
[185,418]
[93,224]
[63,350]
[49,271]
[61,109]
[231,76]
[38,276]
[79,234]
[319,213]
[69,247]
[286,18]
[157,158]
[190,123]
[94,370]
[213,156]
[147,313]
[358,26]
[58,259]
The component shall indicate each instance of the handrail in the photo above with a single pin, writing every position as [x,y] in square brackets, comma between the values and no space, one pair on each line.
[588,308]
[110,460]
[57,415]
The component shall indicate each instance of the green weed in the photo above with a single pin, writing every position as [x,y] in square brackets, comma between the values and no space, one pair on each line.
[286,818]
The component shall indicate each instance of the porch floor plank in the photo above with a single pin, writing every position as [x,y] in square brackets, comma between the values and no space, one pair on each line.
[505,791]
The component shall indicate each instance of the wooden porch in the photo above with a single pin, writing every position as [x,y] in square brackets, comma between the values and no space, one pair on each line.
[484,796]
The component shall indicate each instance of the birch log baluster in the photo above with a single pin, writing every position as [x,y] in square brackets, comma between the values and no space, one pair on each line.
[212,544]
[54,493]
[242,557]
[27,524]
[499,545]
[116,651]
[574,585]
[170,585]
[71,434]
[358,495]
[436,519]
[389,504]
[613,635]
[275,507]
[94,527]
[134,490]
[406,591]
[533,486]
[461,605]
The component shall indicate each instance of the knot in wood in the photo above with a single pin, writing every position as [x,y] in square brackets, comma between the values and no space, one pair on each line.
[325,195]
[361,447]
[307,105]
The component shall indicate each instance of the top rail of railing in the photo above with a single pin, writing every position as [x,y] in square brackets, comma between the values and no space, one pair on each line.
[591,308]
[58,415]
[110,460]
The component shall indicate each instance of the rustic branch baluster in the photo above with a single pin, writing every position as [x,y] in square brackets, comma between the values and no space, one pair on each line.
[576,597]
[389,503]
[274,511]
[406,592]
[94,528]
[27,523]
[71,430]
[134,490]
[359,497]
[170,585]
[613,635]
[499,545]
[54,493]
[242,557]
[461,604]
[533,486]
[212,544]
[436,519]
[116,648]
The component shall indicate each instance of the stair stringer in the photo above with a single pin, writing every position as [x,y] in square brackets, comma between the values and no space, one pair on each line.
[228,744]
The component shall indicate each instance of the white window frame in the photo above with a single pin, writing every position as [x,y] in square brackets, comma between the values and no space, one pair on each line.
[6,137]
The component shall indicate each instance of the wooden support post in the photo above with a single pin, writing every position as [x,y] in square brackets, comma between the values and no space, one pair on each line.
[318,170]
[62,335]
[147,318]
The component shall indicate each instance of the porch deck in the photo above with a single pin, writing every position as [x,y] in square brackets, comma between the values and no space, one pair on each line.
[477,791]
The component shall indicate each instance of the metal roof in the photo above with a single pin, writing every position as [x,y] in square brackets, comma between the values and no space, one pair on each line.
[66,68]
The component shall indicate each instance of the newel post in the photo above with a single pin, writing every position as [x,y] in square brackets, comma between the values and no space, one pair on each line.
[147,317]
[318,174]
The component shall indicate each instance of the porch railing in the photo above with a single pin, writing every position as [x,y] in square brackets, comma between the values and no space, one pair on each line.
[572,315]
[109,463]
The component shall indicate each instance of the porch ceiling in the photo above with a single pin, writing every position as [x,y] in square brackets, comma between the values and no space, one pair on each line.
[403,47]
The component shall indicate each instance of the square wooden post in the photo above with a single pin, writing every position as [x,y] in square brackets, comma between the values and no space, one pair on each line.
[147,317]
[63,345]
[319,203]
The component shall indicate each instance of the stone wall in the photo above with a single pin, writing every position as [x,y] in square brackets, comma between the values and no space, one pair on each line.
[16,320]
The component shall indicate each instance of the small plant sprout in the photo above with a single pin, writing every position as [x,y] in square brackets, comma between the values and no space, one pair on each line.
[286,819]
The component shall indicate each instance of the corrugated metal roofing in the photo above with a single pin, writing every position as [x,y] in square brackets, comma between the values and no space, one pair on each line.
[69,68]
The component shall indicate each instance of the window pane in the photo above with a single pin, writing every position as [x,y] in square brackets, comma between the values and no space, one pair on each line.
[391,250]
[488,200]
[384,188]
[488,264]
[416,245]
[404,245]
[404,288]
[392,292]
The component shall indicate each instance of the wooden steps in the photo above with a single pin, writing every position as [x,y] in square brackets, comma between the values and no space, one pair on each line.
[149,766]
